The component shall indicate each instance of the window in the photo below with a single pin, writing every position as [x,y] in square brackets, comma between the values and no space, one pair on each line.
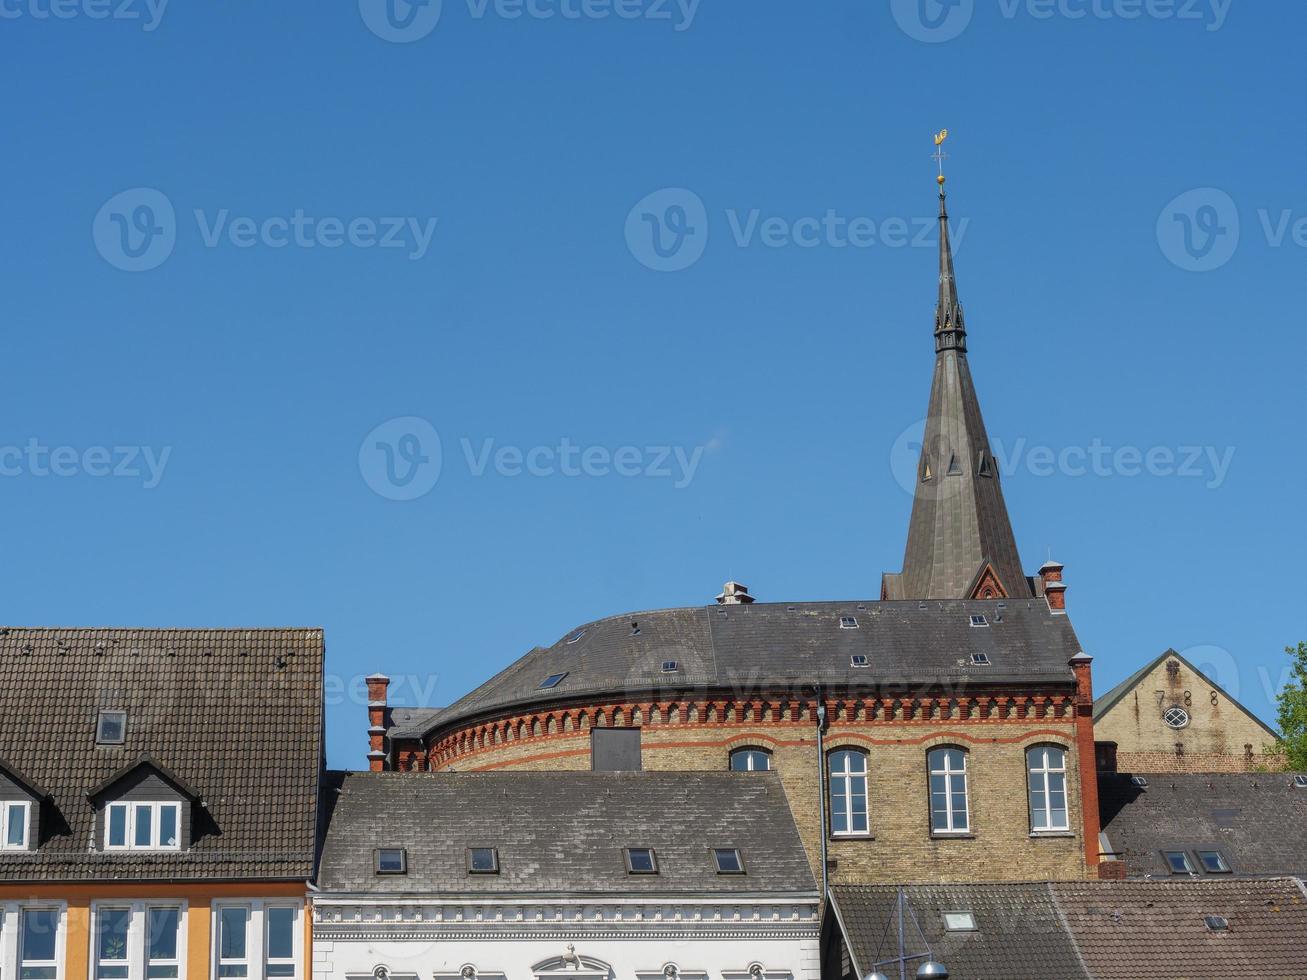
[279,941]
[111,728]
[948,791]
[670,666]
[575,637]
[979,621]
[111,931]
[980,660]
[728,861]
[482,861]
[163,927]
[859,660]
[1216,923]
[1300,782]
[391,861]
[142,826]
[38,935]
[1140,781]
[15,818]
[848,622]
[1176,717]
[750,760]
[553,680]
[233,941]
[1178,862]
[848,792]
[258,940]
[641,861]
[959,922]
[1047,772]
[129,934]
[1214,862]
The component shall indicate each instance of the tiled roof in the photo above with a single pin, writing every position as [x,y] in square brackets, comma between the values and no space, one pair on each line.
[1257,820]
[561,832]
[1144,930]
[236,715]
[750,647]
[1019,933]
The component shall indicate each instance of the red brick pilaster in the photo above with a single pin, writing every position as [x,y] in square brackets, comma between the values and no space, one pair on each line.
[1084,720]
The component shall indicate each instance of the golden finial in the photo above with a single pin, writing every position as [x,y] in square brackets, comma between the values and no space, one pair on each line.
[940,156]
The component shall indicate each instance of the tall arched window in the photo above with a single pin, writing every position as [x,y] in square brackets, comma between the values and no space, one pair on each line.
[848,792]
[750,760]
[1046,765]
[949,813]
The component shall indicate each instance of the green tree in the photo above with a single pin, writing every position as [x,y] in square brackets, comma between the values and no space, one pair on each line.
[1293,710]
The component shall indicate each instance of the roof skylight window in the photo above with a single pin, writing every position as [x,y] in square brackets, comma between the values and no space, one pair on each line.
[1178,862]
[1214,862]
[959,922]
[552,681]
[1140,781]
[391,861]
[859,660]
[1216,923]
[980,660]
[979,621]
[1300,782]
[641,861]
[848,622]
[728,861]
[482,861]
[576,636]
[111,728]
[670,666]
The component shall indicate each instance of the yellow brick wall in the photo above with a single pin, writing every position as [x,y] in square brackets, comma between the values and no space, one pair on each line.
[902,850]
[1215,739]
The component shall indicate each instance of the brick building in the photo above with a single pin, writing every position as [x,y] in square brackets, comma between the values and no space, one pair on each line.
[922,735]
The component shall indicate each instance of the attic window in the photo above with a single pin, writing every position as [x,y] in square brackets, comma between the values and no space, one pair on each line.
[15,818]
[959,922]
[980,660]
[1140,781]
[858,660]
[848,622]
[641,861]
[111,728]
[1217,923]
[1178,862]
[552,681]
[391,861]
[984,464]
[142,826]
[1214,862]
[482,861]
[728,861]
[1176,717]
[979,621]
[670,666]
[576,636]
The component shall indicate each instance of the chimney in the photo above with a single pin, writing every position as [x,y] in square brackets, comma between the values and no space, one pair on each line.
[377,685]
[734,594]
[1050,578]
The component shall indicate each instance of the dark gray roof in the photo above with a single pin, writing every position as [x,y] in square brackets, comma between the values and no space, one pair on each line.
[959,521]
[1257,820]
[1019,932]
[561,832]
[408,722]
[768,645]
[235,715]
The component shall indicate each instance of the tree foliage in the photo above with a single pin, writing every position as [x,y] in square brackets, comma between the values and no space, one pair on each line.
[1293,710]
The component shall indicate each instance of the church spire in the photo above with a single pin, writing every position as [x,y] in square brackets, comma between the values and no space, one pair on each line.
[960,540]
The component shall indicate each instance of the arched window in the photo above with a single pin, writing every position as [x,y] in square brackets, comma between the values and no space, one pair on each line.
[1046,765]
[848,792]
[949,813]
[750,760]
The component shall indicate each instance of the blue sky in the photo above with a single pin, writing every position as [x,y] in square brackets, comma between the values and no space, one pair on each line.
[1128,202]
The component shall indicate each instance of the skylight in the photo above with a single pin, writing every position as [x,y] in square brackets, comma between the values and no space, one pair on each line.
[980,660]
[979,621]
[959,922]
[1216,923]
[1139,781]
[641,861]
[482,861]
[111,728]
[553,680]
[1300,782]
[858,660]
[728,861]
[576,636]
[848,622]
[1213,862]
[670,666]
[1179,862]
[391,861]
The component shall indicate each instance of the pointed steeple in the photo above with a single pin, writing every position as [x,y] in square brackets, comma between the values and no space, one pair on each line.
[960,540]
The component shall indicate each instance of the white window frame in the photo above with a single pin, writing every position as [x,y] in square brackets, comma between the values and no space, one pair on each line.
[1043,771]
[6,822]
[751,750]
[848,777]
[138,960]
[156,809]
[11,942]
[256,938]
[948,772]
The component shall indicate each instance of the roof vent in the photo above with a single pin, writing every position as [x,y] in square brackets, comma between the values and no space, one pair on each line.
[734,594]
[1217,923]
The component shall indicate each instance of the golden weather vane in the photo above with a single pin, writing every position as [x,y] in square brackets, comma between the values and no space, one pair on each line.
[939,156]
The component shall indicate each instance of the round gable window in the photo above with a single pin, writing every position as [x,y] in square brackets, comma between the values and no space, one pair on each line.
[1176,717]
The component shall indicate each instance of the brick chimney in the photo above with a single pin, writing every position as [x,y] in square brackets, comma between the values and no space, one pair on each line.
[734,594]
[1086,755]
[377,685]
[1050,578]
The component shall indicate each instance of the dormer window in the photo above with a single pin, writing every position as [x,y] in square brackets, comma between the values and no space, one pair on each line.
[111,728]
[15,819]
[142,826]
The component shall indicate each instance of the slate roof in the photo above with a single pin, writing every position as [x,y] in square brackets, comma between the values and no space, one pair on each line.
[1143,930]
[1105,930]
[787,645]
[408,722]
[561,833]
[1257,820]
[234,714]
[1019,932]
